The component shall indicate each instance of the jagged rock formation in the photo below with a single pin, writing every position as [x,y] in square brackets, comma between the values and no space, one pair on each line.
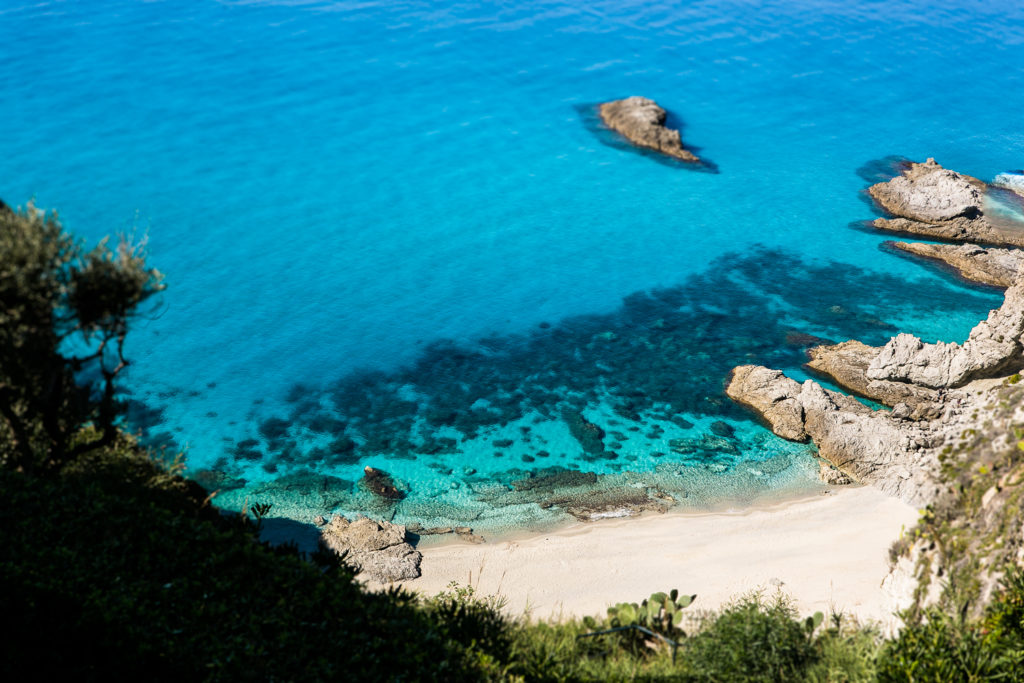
[868,446]
[898,450]
[992,266]
[930,193]
[378,549]
[847,364]
[642,122]
[993,348]
[939,203]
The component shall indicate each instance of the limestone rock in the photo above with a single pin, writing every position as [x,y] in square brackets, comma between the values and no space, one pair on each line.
[931,194]
[935,202]
[830,474]
[642,122]
[771,395]
[993,347]
[868,446]
[847,365]
[622,502]
[993,266]
[378,549]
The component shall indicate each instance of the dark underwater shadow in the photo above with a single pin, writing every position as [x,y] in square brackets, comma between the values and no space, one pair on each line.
[591,119]
[662,353]
[936,266]
[884,169]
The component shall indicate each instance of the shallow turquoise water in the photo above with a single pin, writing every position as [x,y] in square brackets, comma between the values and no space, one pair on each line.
[414,189]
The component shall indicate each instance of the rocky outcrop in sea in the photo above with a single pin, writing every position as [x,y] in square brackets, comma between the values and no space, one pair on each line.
[642,122]
[953,441]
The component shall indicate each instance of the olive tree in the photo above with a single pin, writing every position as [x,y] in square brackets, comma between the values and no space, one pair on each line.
[64,315]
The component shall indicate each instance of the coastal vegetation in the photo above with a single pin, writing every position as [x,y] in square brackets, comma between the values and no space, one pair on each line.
[116,566]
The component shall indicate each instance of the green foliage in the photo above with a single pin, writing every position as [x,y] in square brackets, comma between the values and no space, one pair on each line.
[661,613]
[846,655]
[64,315]
[942,648]
[754,640]
[114,569]
[477,624]
[1004,618]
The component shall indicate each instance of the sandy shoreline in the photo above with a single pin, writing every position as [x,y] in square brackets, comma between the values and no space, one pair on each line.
[829,552]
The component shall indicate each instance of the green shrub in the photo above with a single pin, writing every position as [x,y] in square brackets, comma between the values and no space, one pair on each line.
[847,655]
[942,648]
[1004,618]
[753,639]
[476,624]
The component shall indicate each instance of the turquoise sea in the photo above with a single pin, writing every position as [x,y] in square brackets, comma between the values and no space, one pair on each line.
[396,234]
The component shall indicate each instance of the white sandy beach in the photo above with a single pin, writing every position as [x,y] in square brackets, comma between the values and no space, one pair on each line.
[829,553]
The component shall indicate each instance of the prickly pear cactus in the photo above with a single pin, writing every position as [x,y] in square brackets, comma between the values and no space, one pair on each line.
[661,613]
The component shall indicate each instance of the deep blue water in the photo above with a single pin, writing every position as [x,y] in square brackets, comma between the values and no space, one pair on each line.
[423,191]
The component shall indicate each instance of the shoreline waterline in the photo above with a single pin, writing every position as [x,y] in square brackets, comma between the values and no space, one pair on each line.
[498,532]
[828,552]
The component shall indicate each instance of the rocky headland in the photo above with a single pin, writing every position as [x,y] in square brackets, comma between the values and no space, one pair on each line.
[941,204]
[951,440]
[642,122]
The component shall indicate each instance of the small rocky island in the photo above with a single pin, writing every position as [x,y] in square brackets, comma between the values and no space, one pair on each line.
[952,436]
[642,122]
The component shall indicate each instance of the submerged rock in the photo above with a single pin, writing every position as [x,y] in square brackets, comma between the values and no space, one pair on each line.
[706,442]
[381,484]
[992,266]
[377,549]
[617,502]
[589,435]
[463,532]
[555,480]
[642,122]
